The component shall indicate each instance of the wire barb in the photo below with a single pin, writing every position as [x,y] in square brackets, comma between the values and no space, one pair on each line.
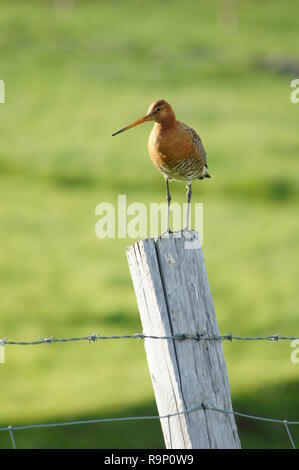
[229,337]
[3,341]
[48,340]
[93,337]
[139,336]
[181,337]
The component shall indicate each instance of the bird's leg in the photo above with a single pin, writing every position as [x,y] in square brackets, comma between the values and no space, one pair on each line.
[168,197]
[189,194]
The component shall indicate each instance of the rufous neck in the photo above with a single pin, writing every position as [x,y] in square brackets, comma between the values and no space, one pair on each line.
[166,124]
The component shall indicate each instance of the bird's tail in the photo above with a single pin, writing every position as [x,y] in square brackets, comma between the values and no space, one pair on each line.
[207,175]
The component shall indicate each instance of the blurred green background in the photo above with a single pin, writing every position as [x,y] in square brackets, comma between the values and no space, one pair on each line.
[75,71]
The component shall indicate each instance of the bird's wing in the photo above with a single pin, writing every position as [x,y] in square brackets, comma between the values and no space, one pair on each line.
[198,143]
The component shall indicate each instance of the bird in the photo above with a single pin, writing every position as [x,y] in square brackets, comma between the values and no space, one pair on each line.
[175,149]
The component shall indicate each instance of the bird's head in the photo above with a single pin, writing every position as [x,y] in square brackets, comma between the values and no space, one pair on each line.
[159,111]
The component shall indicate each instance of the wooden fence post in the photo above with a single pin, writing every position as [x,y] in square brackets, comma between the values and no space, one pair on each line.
[174,298]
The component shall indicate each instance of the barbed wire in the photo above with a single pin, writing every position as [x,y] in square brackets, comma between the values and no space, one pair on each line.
[202,407]
[92,337]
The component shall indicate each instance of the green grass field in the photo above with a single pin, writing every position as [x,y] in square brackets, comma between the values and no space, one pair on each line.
[75,71]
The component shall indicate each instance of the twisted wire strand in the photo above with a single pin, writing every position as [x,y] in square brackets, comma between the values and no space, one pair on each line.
[179,337]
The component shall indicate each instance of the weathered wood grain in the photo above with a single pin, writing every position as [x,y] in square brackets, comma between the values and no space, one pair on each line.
[174,297]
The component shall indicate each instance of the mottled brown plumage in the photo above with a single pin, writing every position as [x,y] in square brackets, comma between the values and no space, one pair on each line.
[175,149]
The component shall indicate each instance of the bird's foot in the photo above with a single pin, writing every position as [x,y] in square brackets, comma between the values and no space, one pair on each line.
[187,233]
[166,234]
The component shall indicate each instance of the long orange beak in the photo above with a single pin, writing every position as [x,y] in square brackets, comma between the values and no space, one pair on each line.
[134,124]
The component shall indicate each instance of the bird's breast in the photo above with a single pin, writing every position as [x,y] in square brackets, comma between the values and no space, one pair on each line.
[172,152]
[169,146]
